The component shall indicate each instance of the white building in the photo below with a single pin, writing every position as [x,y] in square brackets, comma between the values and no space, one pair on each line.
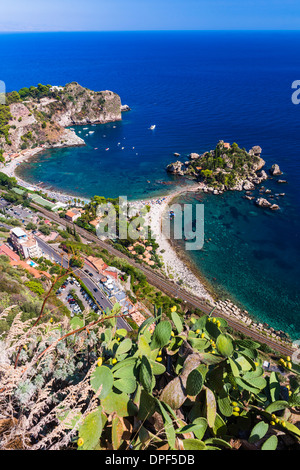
[56,88]
[25,244]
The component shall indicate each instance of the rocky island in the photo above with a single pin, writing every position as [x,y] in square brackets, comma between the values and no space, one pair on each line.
[37,117]
[227,167]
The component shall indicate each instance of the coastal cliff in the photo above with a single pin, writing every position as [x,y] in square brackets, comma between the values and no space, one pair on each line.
[38,116]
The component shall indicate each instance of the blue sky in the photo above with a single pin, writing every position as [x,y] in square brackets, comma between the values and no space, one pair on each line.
[111,15]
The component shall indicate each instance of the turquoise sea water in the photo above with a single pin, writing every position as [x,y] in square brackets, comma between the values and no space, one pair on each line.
[197,88]
[253,255]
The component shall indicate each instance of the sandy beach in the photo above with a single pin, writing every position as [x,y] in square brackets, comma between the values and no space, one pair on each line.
[174,267]
[10,167]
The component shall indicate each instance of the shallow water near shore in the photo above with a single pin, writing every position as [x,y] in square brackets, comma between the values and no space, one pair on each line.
[249,256]
[197,88]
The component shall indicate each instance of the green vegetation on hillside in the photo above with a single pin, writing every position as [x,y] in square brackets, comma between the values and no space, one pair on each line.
[5,117]
[21,293]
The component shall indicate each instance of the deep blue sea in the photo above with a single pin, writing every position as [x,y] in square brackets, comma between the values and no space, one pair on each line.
[198,88]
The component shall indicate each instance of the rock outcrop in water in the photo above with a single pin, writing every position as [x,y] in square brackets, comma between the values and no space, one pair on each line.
[38,116]
[275,170]
[265,204]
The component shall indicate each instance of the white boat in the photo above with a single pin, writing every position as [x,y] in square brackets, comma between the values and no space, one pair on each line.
[152,127]
[91,132]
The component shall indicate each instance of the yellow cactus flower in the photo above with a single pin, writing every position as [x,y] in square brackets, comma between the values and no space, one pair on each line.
[114,361]
[174,308]
[25,347]
[172,333]
[159,353]
[289,364]
[272,423]
[51,320]
[290,393]
[235,413]
[197,331]
[80,442]
[218,323]
[283,424]
[214,320]
[202,335]
[236,408]
[159,359]
[99,362]
[234,403]
[288,358]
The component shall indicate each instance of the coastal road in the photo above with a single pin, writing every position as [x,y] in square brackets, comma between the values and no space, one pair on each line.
[102,301]
[170,287]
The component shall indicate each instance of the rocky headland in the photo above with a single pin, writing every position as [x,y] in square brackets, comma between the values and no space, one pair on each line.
[39,116]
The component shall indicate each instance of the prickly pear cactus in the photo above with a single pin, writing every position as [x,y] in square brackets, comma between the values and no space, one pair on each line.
[191,381]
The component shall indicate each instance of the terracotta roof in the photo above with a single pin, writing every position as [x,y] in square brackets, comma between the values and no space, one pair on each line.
[70,214]
[111,274]
[94,223]
[97,263]
[5,250]
[16,261]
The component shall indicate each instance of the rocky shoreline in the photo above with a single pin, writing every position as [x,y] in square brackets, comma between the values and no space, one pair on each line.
[244,317]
